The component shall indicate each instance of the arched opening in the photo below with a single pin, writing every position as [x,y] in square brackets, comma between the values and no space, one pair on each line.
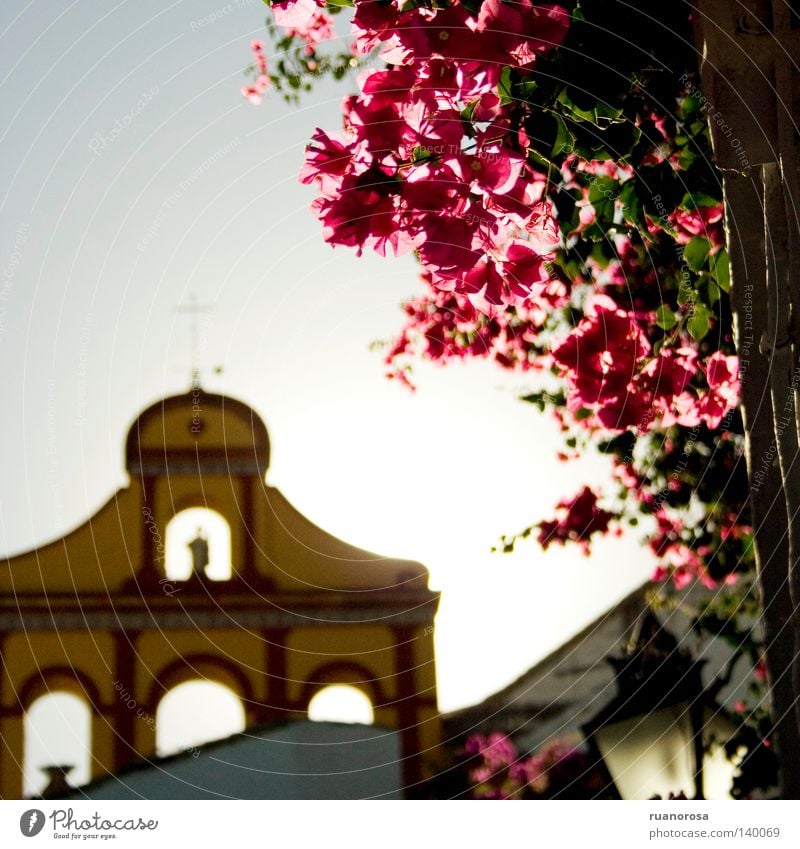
[194,713]
[341,703]
[198,540]
[57,732]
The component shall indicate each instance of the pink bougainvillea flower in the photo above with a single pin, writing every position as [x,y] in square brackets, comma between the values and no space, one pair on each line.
[704,221]
[497,749]
[542,227]
[328,159]
[522,29]
[524,271]
[578,520]
[315,30]
[722,374]
[601,355]
[252,94]
[295,13]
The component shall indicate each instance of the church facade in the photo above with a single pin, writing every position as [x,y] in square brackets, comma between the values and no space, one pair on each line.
[290,611]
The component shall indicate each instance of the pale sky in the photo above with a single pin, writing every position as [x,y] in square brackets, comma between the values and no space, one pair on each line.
[103,232]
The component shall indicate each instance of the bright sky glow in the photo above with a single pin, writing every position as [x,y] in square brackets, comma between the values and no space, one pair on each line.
[341,703]
[57,733]
[194,713]
[187,526]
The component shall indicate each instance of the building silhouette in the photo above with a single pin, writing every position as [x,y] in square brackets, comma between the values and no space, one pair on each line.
[273,607]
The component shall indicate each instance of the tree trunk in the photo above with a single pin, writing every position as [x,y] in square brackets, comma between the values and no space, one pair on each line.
[743,210]
[788,143]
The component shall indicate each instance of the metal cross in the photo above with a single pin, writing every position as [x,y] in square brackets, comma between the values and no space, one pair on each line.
[193,310]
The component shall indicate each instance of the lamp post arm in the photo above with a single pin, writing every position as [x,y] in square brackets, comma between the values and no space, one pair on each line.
[723,678]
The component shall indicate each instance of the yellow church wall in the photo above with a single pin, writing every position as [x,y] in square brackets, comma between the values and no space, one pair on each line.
[11,757]
[424,666]
[173,427]
[100,554]
[157,652]
[429,729]
[372,647]
[217,492]
[103,743]
[320,560]
[144,734]
[27,655]
[41,663]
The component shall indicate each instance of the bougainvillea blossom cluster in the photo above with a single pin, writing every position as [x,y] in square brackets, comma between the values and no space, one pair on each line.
[617,382]
[435,159]
[255,92]
[443,326]
[577,520]
[559,770]
[412,172]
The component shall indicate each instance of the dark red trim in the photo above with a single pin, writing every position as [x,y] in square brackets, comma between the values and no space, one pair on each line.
[248,525]
[36,685]
[3,635]
[148,515]
[175,673]
[339,672]
[277,676]
[124,717]
[276,706]
[407,706]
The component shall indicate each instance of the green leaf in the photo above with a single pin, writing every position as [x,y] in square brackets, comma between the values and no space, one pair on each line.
[468,111]
[420,154]
[600,114]
[688,106]
[699,322]
[696,251]
[686,294]
[721,269]
[665,317]
[528,88]
[599,255]
[632,207]
[686,158]
[504,87]
[537,158]
[714,292]
[594,232]
[565,140]
[602,194]
[695,200]
[582,414]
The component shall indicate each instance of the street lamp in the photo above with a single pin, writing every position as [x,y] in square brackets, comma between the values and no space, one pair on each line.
[662,733]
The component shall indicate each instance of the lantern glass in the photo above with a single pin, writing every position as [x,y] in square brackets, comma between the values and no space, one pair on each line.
[718,769]
[650,754]
[653,754]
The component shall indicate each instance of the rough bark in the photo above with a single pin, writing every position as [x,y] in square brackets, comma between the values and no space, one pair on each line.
[784,377]
[785,69]
[745,236]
